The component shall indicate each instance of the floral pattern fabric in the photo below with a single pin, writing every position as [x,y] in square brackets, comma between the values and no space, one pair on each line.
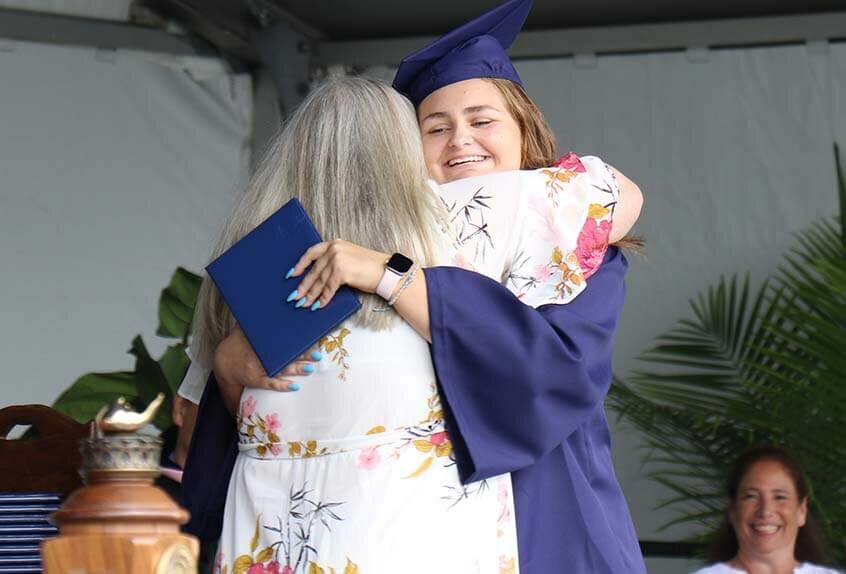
[355,473]
[541,232]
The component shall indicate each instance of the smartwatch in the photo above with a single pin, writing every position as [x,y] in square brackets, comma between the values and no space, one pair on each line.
[395,269]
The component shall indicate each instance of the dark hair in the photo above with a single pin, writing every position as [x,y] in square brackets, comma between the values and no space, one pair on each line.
[810,543]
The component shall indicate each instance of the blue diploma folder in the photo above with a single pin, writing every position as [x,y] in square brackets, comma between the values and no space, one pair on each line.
[251,277]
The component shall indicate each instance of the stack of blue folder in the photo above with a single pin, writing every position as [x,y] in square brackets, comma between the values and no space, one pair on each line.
[24,524]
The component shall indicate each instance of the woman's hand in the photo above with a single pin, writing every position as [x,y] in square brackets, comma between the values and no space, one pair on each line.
[333,264]
[236,365]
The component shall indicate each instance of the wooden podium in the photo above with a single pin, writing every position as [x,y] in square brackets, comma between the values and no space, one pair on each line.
[119,522]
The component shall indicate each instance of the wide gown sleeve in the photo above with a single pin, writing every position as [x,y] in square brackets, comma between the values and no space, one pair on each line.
[518,380]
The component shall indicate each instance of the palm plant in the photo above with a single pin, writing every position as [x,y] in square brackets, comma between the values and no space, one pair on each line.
[750,369]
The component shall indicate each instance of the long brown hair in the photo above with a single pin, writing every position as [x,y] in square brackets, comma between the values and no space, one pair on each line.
[537,141]
[810,543]
[538,147]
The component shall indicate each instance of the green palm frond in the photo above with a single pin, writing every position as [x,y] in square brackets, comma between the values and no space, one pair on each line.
[747,368]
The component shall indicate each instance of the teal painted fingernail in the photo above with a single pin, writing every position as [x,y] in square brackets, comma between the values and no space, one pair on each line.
[292,296]
[293,387]
[308,368]
[290,273]
[316,306]
[317,355]
[301,303]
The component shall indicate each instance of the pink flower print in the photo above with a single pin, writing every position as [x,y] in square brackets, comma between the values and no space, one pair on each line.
[275,448]
[438,438]
[591,245]
[248,407]
[369,458]
[542,273]
[274,567]
[272,423]
[287,570]
[572,162]
[257,569]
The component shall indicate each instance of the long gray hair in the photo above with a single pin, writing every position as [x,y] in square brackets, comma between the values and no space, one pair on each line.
[352,155]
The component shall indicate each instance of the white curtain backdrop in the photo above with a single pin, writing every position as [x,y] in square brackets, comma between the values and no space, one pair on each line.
[733,151]
[115,168]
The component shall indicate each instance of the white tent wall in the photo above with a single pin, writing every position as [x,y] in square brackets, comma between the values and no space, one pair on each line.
[115,168]
[733,152]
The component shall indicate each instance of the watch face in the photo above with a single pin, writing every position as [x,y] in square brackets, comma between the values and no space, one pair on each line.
[400,263]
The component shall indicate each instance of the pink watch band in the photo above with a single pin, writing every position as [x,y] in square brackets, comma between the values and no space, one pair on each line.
[387,284]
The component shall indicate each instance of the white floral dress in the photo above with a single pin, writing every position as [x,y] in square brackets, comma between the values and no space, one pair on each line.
[355,472]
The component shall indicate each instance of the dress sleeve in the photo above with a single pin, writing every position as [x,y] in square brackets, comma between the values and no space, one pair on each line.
[194,382]
[517,380]
[522,363]
[564,222]
[603,195]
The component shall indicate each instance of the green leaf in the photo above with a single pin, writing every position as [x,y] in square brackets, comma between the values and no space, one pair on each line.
[84,398]
[176,304]
[174,363]
[151,380]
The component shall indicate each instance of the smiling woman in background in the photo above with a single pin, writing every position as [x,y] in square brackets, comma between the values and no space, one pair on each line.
[769,529]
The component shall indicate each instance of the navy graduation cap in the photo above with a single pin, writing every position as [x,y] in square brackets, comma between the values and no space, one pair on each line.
[475,49]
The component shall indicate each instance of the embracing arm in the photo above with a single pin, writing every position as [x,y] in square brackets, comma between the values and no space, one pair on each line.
[518,380]
[628,208]
[338,262]
[335,263]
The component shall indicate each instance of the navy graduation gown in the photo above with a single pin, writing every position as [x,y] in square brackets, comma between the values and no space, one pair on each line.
[524,391]
[536,411]
[208,467]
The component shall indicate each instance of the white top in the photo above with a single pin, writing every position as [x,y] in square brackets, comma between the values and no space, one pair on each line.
[804,568]
[194,382]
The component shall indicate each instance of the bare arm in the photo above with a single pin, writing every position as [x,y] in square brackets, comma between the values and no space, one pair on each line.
[628,208]
[338,262]
[236,366]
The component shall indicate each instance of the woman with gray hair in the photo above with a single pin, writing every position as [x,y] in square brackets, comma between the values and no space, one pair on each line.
[355,474]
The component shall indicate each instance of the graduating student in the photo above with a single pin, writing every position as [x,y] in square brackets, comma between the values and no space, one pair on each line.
[523,384]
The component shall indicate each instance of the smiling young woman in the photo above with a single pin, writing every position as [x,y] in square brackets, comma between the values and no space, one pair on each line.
[480,126]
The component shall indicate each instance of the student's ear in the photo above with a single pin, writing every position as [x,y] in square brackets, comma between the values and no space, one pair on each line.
[803,512]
